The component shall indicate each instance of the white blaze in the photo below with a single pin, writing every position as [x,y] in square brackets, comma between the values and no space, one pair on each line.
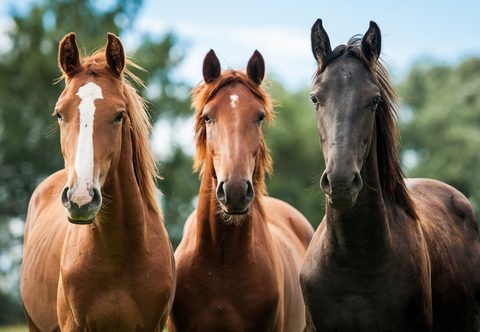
[88,93]
[233,100]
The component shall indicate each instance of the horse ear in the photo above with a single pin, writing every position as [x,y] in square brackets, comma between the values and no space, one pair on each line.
[372,42]
[68,55]
[320,43]
[115,54]
[256,67]
[211,67]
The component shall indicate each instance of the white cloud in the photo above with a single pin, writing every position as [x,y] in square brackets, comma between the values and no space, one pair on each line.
[166,136]
[6,25]
[286,50]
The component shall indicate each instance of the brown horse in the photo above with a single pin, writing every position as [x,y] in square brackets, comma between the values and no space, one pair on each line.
[391,254]
[97,256]
[240,256]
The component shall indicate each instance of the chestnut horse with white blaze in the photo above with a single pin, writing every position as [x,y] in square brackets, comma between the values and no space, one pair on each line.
[391,254]
[96,254]
[239,260]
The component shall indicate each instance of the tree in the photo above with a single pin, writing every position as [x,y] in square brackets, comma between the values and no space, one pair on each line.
[443,135]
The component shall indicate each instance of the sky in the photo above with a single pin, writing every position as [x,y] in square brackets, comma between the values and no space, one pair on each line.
[442,31]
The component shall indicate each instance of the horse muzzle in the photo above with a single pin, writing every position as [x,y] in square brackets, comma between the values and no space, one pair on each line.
[235,197]
[341,189]
[82,206]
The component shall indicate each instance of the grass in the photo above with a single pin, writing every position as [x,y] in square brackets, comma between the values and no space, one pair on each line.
[16,328]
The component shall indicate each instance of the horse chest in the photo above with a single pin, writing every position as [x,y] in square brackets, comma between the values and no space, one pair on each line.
[350,301]
[113,297]
[226,299]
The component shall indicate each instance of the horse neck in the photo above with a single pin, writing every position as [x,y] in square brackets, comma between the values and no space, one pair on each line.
[360,235]
[214,236]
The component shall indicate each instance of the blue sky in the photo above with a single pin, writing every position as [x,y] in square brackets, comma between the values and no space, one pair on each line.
[444,31]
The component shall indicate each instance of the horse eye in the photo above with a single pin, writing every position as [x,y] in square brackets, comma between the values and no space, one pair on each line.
[314,99]
[261,117]
[206,118]
[58,116]
[119,117]
[376,100]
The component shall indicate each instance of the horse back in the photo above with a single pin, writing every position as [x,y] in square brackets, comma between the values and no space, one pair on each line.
[44,234]
[451,234]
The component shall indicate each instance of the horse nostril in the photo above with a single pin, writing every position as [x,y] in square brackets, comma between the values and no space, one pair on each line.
[357,182]
[66,198]
[96,198]
[221,196]
[250,193]
[325,184]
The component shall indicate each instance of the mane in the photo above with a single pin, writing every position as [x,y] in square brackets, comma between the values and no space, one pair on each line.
[202,94]
[144,164]
[392,178]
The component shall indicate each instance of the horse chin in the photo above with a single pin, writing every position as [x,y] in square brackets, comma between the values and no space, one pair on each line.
[80,218]
[234,217]
[78,221]
[236,213]
[343,202]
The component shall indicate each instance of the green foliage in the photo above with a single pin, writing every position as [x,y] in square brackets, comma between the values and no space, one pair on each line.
[14,328]
[11,311]
[179,187]
[297,156]
[444,133]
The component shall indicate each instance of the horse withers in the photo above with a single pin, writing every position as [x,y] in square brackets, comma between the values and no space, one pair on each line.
[390,254]
[96,253]
[239,260]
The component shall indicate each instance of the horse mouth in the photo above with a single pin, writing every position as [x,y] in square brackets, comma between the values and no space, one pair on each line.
[82,221]
[343,202]
[81,216]
[236,213]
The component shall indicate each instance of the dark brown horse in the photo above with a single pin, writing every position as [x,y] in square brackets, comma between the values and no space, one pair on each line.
[97,256]
[391,254]
[239,260]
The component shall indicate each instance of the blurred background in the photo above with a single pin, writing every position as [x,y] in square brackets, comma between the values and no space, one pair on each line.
[431,48]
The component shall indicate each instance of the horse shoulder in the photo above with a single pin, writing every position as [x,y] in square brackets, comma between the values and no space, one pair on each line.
[42,202]
[44,233]
[187,243]
[185,259]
